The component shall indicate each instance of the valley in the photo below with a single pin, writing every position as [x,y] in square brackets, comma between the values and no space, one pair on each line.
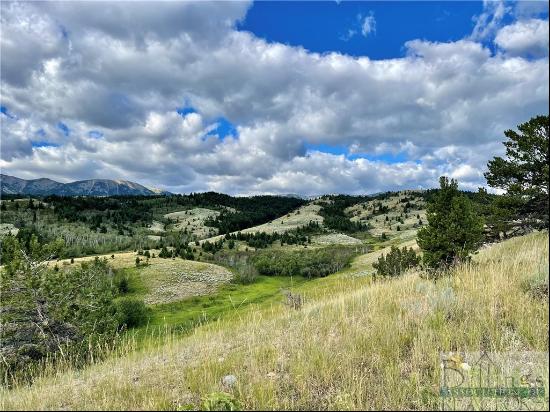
[274,205]
[169,261]
[297,280]
[181,292]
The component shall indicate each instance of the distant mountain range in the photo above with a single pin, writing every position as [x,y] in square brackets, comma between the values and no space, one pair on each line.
[91,187]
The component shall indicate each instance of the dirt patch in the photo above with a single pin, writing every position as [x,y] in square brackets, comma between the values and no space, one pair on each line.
[157,227]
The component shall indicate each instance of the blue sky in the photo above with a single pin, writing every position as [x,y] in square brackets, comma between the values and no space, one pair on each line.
[325,26]
[268,97]
[329,26]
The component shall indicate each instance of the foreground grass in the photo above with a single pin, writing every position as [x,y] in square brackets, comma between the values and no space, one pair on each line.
[354,346]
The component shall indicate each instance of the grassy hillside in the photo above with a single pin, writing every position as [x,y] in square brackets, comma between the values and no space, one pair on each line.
[99,225]
[292,220]
[193,221]
[355,343]
[397,215]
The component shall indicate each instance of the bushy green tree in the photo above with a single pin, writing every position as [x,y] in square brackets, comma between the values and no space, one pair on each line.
[164,253]
[524,173]
[498,213]
[12,253]
[396,262]
[308,263]
[131,312]
[45,311]
[454,230]
[15,248]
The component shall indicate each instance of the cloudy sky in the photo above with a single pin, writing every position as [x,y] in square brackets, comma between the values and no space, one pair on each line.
[247,98]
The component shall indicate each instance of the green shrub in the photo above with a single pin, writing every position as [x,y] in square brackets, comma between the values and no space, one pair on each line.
[308,263]
[245,274]
[75,304]
[131,312]
[122,284]
[396,262]
[537,285]
[220,401]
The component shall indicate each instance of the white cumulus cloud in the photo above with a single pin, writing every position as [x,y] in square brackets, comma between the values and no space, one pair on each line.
[524,38]
[441,108]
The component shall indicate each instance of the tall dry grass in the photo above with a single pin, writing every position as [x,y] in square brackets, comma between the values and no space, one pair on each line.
[370,347]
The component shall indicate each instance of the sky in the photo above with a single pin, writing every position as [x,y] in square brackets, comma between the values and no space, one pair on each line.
[268,97]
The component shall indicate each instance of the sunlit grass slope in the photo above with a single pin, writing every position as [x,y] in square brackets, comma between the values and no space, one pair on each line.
[354,346]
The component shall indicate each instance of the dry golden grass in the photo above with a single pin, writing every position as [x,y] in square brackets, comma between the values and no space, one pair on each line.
[120,260]
[353,346]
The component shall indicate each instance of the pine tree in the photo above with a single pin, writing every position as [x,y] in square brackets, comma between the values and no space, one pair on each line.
[396,262]
[454,230]
[524,173]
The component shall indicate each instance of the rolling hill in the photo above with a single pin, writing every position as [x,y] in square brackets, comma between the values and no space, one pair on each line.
[10,185]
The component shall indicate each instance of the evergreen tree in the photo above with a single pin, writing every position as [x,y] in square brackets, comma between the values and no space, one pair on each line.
[498,213]
[524,172]
[396,262]
[454,230]
[49,309]
[164,253]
